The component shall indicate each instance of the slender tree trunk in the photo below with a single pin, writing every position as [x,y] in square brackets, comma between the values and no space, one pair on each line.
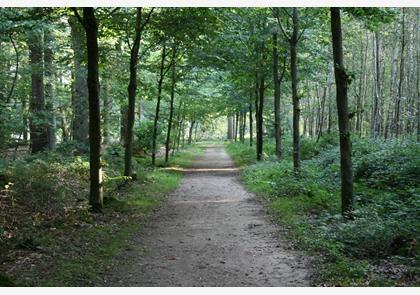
[243,126]
[250,120]
[49,91]
[321,119]
[25,118]
[397,121]
[161,76]
[105,112]
[260,119]
[276,82]
[295,97]
[190,132]
[132,88]
[236,125]
[80,121]
[230,127]
[96,188]
[342,82]
[171,107]
[38,123]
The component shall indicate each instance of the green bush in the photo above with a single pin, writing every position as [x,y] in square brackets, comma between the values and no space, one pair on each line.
[144,136]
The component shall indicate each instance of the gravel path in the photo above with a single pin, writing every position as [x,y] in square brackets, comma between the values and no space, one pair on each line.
[210,232]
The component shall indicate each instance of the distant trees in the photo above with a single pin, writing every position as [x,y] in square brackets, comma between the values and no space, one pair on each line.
[266,73]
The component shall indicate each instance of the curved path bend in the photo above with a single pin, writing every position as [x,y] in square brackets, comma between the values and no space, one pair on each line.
[210,232]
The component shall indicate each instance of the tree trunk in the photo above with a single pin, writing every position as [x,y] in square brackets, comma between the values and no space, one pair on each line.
[243,126]
[229,127]
[295,97]
[38,123]
[190,132]
[321,119]
[105,112]
[342,81]
[96,185]
[171,107]
[250,120]
[80,122]
[276,82]
[236,125]
[160,82]
[375,123]
[397,121]
[132,88]
[49,91]
[123,122]
[260,119]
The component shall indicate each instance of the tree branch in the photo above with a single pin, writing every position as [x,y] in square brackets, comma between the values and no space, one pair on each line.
[76,13]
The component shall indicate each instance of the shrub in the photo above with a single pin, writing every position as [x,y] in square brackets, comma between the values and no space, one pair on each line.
[144,136]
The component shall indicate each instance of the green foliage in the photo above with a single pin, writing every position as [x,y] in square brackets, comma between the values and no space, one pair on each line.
[144,136]
[385,223]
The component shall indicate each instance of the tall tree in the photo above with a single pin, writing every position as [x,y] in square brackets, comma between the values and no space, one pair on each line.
[342,81]
[159,97]
[132,88]
[277,83]
[293,42]
[171,106]
[38,121]
[90,24]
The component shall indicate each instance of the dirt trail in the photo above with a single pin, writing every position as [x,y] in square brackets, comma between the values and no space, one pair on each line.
[210,232]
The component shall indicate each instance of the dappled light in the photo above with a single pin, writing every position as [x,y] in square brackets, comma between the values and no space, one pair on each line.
[209,146]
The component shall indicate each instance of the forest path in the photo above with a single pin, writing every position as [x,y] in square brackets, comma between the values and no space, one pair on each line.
[210,232]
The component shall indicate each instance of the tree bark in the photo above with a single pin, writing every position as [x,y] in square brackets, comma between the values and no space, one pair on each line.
[397,121]
[160,82]
[342,81]
[276,82]
[80,122]
[132,88]
[190,132]
[105,112]
[236,125]
[295,97]
[38,123]
[229,127]
[96,185]
[250,120]
[49,91]
[260,119]
[171,107]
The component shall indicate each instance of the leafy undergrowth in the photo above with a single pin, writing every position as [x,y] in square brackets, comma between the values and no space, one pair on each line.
[48,235]
[380,246]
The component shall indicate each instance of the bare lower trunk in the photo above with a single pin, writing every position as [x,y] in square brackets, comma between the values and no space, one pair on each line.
[132,88]
[295,97]
[38,123]
[162,64]
[171,109]
[342,81]
[96,189]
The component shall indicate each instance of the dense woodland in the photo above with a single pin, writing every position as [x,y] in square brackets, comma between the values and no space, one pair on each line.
[321,107]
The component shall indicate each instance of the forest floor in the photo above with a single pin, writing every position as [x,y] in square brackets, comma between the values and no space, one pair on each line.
[210,232]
